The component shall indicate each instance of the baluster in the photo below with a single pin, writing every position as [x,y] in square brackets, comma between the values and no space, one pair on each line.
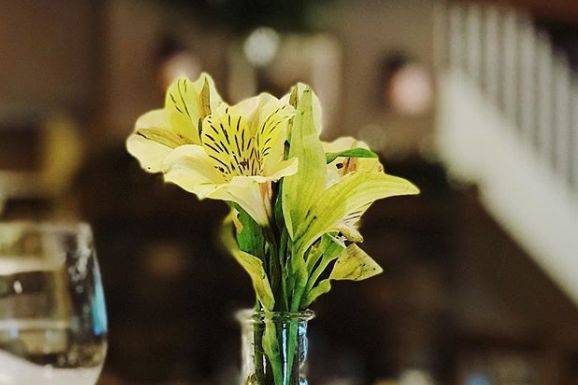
[441,34]
[562,117]
[456,42]
[473,41]
[574,136]
[491,53]
[544,105]
[527,78]
[509,70]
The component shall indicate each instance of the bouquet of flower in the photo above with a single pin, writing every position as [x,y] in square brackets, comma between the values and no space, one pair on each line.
[295,200]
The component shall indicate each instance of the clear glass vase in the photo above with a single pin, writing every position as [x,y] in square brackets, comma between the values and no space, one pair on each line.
[274,347]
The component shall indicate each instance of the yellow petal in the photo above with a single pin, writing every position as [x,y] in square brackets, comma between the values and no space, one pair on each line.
[248,138]
[227,139]
[342,166]
[161,136]
[248,109]
[247,193]
[154,118]
[343,143]
[153,140]
[188,103]
[296,94]
[283,168]
[272,132]
[190,168]
[150,154]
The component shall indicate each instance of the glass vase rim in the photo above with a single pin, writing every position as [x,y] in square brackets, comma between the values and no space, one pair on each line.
[50,226]
[259,316]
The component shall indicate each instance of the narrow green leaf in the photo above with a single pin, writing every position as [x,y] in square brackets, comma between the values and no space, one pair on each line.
[322,288]
[351,153]
[328,249]
[352,264]
[278,207]
[252,265]
[250,237]
[300,190]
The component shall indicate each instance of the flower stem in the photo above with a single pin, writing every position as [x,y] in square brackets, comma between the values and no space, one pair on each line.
[258,350]
[274,266]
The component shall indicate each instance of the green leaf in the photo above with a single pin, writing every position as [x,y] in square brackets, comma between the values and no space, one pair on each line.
[351,153]
[250,237]
[272,349]
[329,248]
[323,287]
[278,208]
[300,190]
[347,200]
[252,265]
[354,265]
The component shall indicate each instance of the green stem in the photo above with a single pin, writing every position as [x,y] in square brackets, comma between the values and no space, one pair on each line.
[273,263]
[293,325]
[273,346]
[258,349]
[282,258]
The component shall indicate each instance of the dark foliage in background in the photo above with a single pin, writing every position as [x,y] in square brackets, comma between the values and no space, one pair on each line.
[244,15]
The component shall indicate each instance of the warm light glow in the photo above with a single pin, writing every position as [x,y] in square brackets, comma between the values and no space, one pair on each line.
[415,377]
[410,90]
[179,65]
[261,46]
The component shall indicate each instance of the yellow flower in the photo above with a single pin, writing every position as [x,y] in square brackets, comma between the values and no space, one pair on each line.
[321,198]
[240,153]
[179,123]
[341,166]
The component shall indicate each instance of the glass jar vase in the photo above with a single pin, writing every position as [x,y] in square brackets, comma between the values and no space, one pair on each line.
[274,347]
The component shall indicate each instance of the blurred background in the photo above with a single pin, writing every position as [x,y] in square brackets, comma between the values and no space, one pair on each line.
[477,103]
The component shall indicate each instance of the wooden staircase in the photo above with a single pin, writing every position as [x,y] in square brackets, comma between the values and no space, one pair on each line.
[507,121]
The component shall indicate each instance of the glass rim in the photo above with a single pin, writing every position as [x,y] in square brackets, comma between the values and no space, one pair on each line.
[259,316]
[48,226]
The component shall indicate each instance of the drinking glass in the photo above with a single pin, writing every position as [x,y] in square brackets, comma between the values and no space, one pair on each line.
[53,322]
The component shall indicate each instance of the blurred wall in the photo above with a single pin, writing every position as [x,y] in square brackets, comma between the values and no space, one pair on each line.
[370,31]
[134,32]
[46,55]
